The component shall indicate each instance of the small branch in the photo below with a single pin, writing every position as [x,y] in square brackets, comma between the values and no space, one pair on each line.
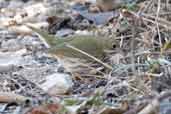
[148,6]
[148,53]
[153,107]
[151,74]
[8,97]
[132,49]
[163,23]
[157,24]
[150,108]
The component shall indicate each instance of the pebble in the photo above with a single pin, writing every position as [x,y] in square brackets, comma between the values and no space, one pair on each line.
[3,4]
[8,60]
[15,4]
[57,83]
[64,32]
[83,32]
[11,45]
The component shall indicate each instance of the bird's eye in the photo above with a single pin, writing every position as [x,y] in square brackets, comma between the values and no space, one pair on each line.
[114,46]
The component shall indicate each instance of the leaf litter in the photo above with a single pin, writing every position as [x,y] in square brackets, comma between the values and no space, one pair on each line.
[138,83]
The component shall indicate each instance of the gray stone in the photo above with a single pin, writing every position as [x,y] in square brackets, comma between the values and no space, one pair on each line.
[64,32]
[57,83]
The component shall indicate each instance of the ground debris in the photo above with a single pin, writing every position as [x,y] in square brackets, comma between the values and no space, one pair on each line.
[130,77]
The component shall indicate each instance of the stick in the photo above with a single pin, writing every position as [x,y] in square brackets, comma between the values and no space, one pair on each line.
[151,108]
[157,24]
[8,97]
[154,105]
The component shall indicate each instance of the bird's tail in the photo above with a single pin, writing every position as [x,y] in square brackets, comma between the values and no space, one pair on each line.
[48,40]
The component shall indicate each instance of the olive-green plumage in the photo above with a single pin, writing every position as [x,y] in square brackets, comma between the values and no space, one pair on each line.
[92,45]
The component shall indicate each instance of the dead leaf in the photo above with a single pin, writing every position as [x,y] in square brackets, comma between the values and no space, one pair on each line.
[47,109]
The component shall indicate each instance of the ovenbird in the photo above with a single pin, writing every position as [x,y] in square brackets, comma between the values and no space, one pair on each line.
[92,45]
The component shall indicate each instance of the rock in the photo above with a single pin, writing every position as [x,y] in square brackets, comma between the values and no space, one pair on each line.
[79,7]
[108,5]
[64,32]
[11,45]
[99,18]
[165,108]
[3,4]
[36,9]
[8,60]
[22,30]
[31,42]
[83,32]
[102,5]
[6,68]
[73,109]
[4,34]
[84,1]
[57,84]
[34,13]
[15,4]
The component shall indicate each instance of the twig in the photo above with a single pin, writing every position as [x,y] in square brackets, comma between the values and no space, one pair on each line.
[125,67]
[150,108]
[151,74]
[163,23]
[154,105]
[161,20]
[90,56]
[146,17]
[160,13]
[7,97]
[96,76]
[148,6]
[148,52]
[92,68]
[123,37]
[132,46]
[164,95]
[157,24]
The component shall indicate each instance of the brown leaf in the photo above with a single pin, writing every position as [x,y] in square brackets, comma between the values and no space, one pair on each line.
[47,109]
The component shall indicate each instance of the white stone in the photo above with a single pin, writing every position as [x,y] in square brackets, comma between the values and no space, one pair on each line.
[57,83]
[73,109]
[11,45]
[83,32]
[10,59]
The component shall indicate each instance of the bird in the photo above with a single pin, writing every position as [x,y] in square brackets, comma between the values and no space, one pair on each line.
[89,44]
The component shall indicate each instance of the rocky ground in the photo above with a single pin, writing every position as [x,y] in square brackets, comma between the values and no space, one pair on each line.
[33,81]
